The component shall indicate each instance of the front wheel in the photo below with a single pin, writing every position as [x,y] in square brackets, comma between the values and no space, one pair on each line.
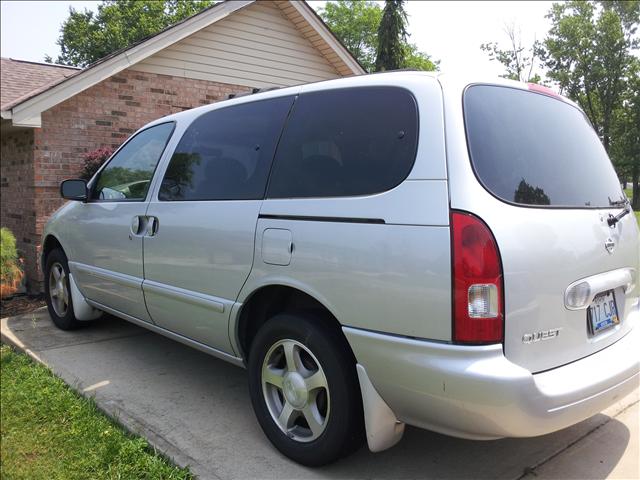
[304,389]
[58,291]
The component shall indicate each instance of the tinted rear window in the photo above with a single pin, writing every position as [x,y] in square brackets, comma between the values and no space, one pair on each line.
[346,142]
[533,149]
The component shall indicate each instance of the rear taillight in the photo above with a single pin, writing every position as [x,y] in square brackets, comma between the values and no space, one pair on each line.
[478,293]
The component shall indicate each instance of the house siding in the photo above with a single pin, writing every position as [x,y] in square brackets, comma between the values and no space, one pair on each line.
[103,115]
[257,46]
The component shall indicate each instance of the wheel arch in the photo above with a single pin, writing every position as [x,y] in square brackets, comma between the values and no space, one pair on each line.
[50,242]
[268,300]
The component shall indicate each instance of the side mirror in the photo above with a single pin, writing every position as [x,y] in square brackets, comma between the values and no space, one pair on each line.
[74,189]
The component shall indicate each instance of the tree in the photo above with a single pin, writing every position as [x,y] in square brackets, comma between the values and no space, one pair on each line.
[530,195]
[87,36]
[519,62]
[625,145]
[588,52]
[355,23]
[417,60]
[392,36]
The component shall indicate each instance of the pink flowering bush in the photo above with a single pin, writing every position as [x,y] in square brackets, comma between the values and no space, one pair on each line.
[93,161]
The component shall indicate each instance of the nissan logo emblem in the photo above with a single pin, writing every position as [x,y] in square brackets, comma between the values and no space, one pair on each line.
[610,245]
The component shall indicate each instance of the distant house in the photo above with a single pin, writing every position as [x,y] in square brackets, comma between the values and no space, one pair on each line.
[52,115]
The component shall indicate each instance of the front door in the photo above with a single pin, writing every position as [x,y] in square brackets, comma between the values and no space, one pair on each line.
[205,216]
[111,226]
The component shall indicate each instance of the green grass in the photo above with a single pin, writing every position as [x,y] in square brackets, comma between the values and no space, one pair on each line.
[630,195]
[50,432]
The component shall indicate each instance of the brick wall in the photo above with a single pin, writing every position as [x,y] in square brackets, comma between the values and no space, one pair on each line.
[103,115]
[17,211]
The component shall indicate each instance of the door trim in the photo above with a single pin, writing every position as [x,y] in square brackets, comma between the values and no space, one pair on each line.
[121,278]
[183,295]
[237,361]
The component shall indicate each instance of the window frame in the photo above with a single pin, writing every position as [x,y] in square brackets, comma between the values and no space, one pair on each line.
[188,124]
[486,187]
[94,180]
[360,87]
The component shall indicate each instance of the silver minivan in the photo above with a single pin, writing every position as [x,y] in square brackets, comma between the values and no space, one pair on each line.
[400,248]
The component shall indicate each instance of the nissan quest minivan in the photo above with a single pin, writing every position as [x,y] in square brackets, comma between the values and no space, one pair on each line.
[391,249]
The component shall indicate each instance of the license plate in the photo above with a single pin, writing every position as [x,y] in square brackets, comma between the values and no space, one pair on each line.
[603,312]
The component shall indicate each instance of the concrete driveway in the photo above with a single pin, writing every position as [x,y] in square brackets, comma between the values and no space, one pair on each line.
[196,410]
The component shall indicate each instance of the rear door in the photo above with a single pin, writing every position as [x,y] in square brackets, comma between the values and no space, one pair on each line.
[549,193]
[205,214]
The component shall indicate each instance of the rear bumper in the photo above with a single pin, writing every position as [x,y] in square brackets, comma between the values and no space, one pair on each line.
[476,393]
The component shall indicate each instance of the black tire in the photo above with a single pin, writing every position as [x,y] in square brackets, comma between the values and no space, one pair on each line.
[344,424]
[63,320]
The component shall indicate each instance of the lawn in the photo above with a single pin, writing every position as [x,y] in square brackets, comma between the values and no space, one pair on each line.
[630,195]
[50,432]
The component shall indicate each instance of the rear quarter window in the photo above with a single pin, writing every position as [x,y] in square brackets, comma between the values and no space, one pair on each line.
[532,149]
[346,142]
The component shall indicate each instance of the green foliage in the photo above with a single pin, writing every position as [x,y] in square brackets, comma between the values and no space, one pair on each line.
[529,195]
[9,261]
[519,62]
[86,36]
[625,140]
[112,177]
[179,176]
[392,36]
[49,432]
[629,194]
[590,52]
[416,60]
[355,23]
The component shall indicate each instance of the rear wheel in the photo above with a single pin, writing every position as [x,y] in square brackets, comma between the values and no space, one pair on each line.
[304,389]
[58,291]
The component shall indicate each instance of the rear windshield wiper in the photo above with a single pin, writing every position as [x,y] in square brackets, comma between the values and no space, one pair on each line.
[612,220]
[619,203]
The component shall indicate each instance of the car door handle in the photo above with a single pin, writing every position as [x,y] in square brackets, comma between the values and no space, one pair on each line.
[143,225]
[137,226]
[153,224]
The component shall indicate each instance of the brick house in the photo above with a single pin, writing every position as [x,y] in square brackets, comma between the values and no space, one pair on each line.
[52,115]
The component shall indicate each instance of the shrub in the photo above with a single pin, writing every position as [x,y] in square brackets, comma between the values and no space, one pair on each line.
[93,161]
[10,270]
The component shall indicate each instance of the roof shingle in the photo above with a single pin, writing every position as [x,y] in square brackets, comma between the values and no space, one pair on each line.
[19,77]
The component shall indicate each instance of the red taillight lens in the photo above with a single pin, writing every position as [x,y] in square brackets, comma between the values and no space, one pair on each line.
[478,312]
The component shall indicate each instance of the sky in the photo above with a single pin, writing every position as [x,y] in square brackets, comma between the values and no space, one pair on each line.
[448,31]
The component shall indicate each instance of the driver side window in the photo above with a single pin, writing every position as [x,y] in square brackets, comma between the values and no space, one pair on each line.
[128,174]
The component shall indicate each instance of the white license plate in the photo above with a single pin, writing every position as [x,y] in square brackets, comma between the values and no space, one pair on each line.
[603,312]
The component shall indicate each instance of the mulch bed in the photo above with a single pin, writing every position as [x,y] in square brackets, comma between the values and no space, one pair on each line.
[20,304]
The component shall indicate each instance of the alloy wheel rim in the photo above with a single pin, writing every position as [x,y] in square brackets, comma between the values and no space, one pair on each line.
[58,291]
[295,390]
